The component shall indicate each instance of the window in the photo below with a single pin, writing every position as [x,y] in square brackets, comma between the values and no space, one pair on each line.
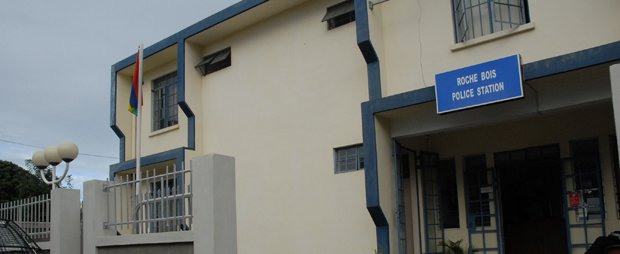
[339,14]
[473,19]
[165,113]
[477,178]
[449,194]
[215,62]
[349,158]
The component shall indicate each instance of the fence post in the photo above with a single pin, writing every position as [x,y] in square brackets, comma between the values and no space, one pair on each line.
[65,236]
[214,204]
[94,210]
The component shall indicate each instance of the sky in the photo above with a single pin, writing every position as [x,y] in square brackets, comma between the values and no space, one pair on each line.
[55,62]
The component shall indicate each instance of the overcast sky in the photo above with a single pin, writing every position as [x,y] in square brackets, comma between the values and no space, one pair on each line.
[55,60]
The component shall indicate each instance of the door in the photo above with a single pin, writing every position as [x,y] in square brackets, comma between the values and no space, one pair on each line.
[531,198]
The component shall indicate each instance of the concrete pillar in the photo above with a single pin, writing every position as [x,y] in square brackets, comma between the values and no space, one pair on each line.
[214,206]
[614,73]
[65,235]
[94,212]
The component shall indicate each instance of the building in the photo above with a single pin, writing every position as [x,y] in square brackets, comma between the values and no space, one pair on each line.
[292,89]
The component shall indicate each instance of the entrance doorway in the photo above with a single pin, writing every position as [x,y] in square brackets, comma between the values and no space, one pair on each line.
[531,200]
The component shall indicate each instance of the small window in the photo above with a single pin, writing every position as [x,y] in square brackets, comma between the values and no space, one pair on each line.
[165,112]
[350,158]
[340,14]
[214,62]
[475,19]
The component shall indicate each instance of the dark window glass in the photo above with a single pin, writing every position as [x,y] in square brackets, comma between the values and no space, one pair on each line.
[165,112]
[340,14]
[476,178]
[473,19]
[449,193]
[349,158]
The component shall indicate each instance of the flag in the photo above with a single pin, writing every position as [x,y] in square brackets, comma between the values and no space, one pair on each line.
[133,99]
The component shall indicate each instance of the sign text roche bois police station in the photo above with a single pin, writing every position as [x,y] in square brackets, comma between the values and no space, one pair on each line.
[480,84]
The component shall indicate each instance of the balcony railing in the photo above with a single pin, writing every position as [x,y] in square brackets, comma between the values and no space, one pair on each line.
[163,202]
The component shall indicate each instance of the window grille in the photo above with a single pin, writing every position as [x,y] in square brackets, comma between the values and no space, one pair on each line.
[475,18]
[340,14]
[165,112]
[349,158]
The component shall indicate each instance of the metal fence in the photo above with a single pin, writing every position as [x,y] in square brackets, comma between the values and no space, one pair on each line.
[31,214]
[159,202]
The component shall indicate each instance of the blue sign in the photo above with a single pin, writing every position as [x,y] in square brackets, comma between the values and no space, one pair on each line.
[477,85]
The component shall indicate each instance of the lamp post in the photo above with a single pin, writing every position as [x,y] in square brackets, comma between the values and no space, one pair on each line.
[54,155]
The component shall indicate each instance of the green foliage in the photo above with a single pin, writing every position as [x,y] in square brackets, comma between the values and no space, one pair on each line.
[17,183]
[48,175]
[453,247]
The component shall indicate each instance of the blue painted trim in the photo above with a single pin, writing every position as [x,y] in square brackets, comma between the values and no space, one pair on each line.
[374,80]
[573,61]
[543,68]
[177,154]
[191,121]
[176,38]
[198,27]
[368,126]
[383,239]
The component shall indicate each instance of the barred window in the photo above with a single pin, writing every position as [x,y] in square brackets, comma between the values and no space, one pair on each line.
[475,18]
[349,158]
[339,14]
[165,112]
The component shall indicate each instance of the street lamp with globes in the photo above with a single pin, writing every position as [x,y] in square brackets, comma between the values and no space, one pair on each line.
[53,156]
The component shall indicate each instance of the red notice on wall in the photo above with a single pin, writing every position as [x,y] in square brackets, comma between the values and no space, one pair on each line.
[574,199]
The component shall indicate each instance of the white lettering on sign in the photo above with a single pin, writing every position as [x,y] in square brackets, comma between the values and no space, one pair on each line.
[491,88]
[486,75]
[469,93]
[466,80]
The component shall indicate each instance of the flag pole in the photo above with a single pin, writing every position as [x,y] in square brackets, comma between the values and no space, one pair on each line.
[139,62]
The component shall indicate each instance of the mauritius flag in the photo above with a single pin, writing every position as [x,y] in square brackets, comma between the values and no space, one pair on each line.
[133,99]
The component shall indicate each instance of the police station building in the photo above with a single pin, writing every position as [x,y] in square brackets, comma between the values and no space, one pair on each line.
[394,126]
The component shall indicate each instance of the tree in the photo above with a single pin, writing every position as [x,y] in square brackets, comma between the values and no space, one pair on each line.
[17,183]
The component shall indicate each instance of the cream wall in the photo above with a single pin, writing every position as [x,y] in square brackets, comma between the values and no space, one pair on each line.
[291,95]
[418,37]
[153,141]
[594,121]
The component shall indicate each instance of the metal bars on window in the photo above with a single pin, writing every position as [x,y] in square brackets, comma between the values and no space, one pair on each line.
[349,158]
[164,202]
[428,163]
[475,18]
[165,112]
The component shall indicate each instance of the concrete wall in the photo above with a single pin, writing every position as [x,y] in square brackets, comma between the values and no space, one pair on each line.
[213,227]
[65,232]
[292,94]
[175,248]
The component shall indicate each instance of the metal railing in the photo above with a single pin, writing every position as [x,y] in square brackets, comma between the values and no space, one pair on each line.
[31,214]
[163,202]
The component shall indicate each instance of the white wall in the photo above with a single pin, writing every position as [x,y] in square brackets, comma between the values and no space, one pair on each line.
[418,37]
[291,95]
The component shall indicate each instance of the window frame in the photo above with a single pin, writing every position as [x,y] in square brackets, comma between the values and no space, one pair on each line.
[462,12]
[164,91]
[357,151]
[215,61]
[339,14]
